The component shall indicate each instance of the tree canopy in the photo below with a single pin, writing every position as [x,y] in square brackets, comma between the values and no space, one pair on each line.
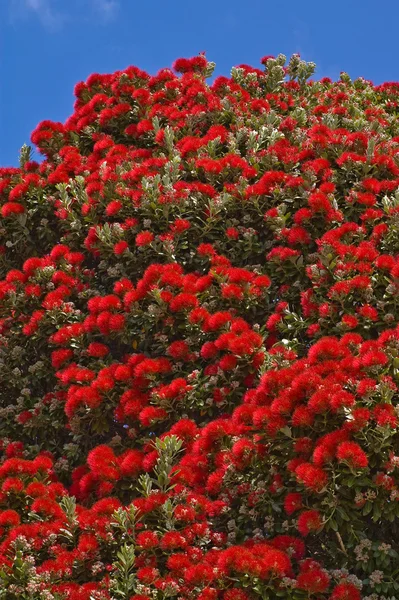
[199,340]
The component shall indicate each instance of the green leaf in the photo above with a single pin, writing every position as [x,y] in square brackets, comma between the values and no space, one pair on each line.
[367,508]
[333,524]
[376,512]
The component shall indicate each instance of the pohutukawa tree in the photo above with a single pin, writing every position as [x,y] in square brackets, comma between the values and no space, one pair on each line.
[200,343]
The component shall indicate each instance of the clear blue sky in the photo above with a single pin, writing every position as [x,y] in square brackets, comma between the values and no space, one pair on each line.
[46,46]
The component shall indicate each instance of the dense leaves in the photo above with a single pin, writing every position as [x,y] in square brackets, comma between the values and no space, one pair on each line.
[199,340]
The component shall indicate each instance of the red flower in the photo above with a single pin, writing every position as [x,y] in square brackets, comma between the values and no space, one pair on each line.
[173,540]
[187,65]
[151,366]
[102,462]
[113,208]
[144,238]
[312,477]
[87,543]
[98,350]
[232,233]
[385,416]
[208,350]
[178,350]
[315,581]
[151,414]
[308,521]
[180,225]
[206,250]
[293,546]
[352,453]
[59,357]
[147,539]
[116,322]
[182,302]
[292,503]
[12,208]
[228,362]
[369,312]
[120,247]
[147,574]
[14,485]
[235,594]
[350,321]
[9,518]
[345,591]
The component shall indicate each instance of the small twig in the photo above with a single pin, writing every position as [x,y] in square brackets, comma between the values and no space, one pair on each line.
[341,543]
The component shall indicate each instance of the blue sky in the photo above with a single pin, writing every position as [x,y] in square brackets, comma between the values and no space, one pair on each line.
[46,46]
